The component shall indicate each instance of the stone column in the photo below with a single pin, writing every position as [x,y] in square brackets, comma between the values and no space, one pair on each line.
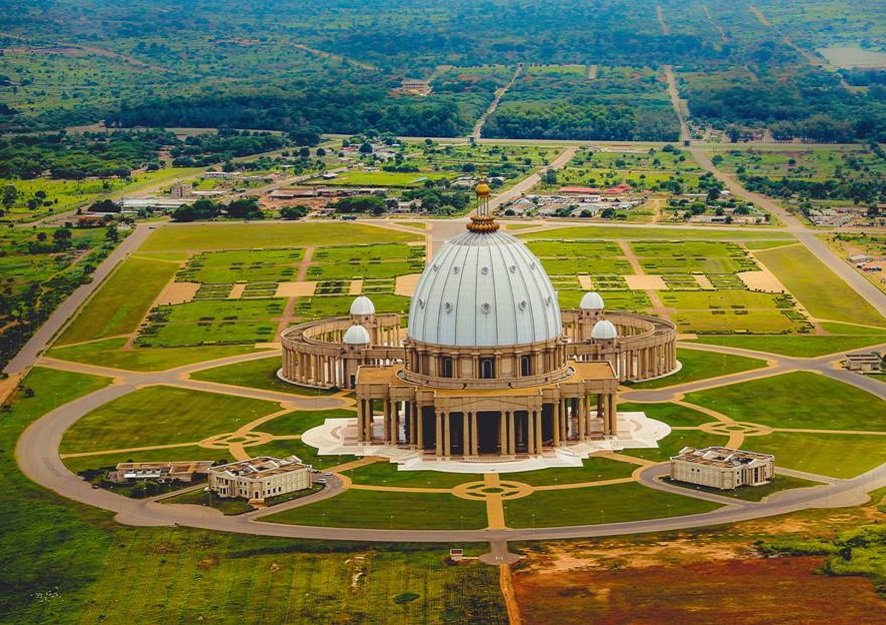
[439,441]
[530,421]
[475,436]
[386,412]
[369,416]
[556,423]
[582,421]
[503,433]
[395,423]
[536,418]
[466,434]
[447,433]
[361,428]
[613,414]
[419,427]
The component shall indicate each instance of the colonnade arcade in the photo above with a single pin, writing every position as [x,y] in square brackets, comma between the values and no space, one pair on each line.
[473,424]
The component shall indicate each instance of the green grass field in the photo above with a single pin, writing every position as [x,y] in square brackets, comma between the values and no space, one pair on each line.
[599,504]
[382,179]
[730,311]
[826,404]
[386,474]
[578,233]
[299,421]
[836,455]
[108,353]
[243,266]
[261,373]
[672,414]
[801,346]
[122,301]
[373,509]
[752,493]
[212,322]
[175,415]
[699,365]
[233,236]
[664,257]
[200,497]
[592,470]
[820,291]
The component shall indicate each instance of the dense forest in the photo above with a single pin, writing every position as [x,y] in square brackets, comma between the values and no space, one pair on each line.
[337,66]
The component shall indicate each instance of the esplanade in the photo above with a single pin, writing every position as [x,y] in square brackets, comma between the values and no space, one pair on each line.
[488,365]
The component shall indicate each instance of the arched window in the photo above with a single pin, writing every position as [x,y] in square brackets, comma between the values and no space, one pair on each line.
[487,368]
[446,367]
[525,365]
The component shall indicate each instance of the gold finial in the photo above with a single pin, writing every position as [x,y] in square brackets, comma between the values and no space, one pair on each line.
[483,221]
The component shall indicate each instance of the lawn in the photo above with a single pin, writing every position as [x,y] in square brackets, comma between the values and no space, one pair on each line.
[108,353]
[200,497]
[731,311]
[618,232]
[162,415]
[230,236]
[321,306]
[593,469]
[664,257]
[305,453]
[122,301]
[300,421]
[107,461]
[594,505]
[383,179]
[674,415]
[386,474]
[699,365]
[800,346]
[212,322]
[373,509]
[751,493]
[819,289]
[261,373]
[836,455]
[243,266]
[826,404]
[671,444]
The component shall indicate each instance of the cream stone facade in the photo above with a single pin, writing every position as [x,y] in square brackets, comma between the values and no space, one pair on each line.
[257,479]
[489,365]
[722,468]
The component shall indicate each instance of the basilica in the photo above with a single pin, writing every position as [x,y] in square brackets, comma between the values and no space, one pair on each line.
[489,366]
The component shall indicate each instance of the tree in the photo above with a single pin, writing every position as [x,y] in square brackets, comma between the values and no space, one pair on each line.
[304,152]
[374,204]
[294,212]
[550,177]
[366,148]
[62,238]
[10,195]
[245,208]
[321,152]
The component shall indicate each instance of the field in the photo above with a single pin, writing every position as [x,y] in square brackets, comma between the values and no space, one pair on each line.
[358,508]
[122,302]
[212,322]
[110,353]
[803,346]
[697,365]
[732,311]
[820,291]
[256,374]
[210,237]
[177,416]
[598,504]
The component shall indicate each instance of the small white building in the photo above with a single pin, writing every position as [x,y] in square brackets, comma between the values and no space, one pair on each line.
[257,479]
[722,467]
[183,471]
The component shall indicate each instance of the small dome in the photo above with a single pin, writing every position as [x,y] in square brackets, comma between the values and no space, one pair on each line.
[604,331]
[591,301]
[362,306]
[482,189]
[356,335]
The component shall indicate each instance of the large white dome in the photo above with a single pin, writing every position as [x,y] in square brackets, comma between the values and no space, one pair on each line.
[482,289]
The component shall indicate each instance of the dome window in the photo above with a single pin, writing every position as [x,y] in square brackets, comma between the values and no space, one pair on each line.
[525,365]
[522,305]
[446,367]
[513,268]
[455,270]
[447,307]
[485,308]
[487,368]
[484,270]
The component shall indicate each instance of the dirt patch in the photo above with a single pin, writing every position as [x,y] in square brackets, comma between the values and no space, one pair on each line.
[406,284]
[704,283]
[356,287]
[646,283]
[586,283]
[762,281]
[237,291]
[744,591]
[296,289]
[177,293]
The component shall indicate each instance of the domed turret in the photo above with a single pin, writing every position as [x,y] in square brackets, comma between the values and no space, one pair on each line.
[591,301]
[362,306]
[604,331]
[356,335]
